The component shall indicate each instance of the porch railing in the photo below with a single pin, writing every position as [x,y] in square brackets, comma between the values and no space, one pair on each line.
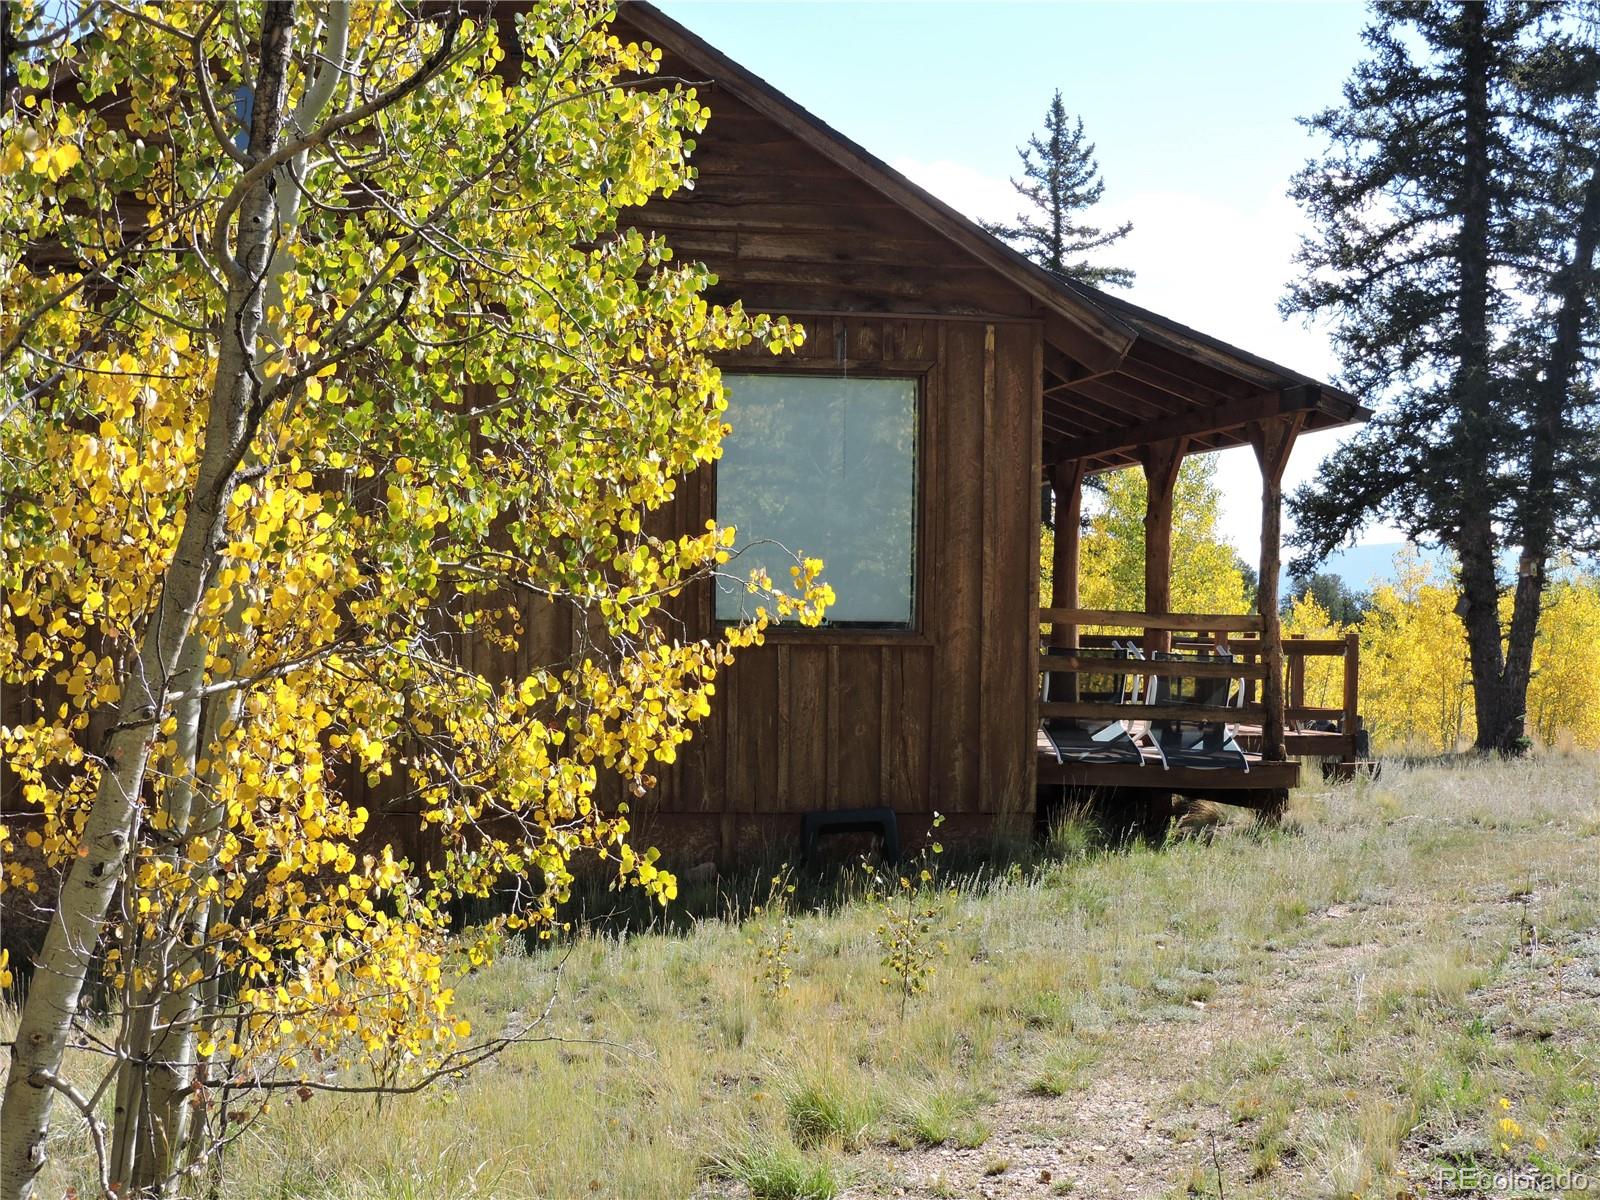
[1241,635]
[1346,741]
[1197,631]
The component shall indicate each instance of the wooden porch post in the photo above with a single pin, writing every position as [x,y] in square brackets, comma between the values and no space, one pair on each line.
[1161,462]
[1350,723]
[1272,441]
[1066,478]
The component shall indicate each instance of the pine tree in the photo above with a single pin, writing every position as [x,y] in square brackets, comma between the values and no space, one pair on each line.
[1060,181]
[1331,594]
[1457,214]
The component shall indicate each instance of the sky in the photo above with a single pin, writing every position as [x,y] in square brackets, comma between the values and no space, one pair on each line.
[1192,107]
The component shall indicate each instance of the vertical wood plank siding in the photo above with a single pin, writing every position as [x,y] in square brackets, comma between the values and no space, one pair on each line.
[933,718]
[937,718]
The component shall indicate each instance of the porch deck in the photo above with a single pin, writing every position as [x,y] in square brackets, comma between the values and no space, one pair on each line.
[1260,774]
[1259,713]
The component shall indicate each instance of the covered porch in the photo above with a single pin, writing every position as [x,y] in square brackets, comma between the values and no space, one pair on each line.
[1231,678]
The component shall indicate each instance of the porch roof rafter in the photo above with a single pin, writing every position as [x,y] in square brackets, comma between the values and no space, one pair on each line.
[1230,418]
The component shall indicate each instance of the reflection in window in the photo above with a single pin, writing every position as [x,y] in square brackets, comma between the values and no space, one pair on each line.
[825,467]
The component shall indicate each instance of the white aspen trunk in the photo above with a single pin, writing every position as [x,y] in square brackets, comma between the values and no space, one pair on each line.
[131,1114]
[171,1071]
[57,985]
[162,1081]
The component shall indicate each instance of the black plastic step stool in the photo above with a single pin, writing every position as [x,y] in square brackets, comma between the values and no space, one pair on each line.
[851,820]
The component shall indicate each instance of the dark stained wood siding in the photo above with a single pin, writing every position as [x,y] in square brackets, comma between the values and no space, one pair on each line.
[936,718]
[788,230]
[939,718]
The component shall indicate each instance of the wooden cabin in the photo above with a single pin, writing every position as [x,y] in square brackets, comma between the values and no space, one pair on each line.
[944,379]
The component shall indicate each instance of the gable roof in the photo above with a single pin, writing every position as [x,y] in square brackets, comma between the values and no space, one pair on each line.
[1098,332]
[1113,335]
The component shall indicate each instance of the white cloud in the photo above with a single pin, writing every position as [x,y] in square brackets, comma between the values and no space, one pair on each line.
[972,193]
[1214,267]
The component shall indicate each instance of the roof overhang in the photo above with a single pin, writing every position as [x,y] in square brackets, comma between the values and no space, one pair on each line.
[1178,382]
[1117,375]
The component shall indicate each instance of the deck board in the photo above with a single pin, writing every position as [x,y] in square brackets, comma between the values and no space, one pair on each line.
[1262,776]
[1310,743]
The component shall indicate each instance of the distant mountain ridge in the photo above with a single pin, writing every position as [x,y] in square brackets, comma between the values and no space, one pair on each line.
[1363,567]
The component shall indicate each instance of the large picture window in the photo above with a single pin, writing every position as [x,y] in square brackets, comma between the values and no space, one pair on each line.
[827,467]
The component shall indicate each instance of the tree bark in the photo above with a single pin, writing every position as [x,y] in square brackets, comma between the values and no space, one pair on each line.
[179,1011]
[162,1079]
[1573,288]
[1476,542]
[52,1004]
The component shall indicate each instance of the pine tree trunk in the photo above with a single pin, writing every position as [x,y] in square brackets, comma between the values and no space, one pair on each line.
[1475,539]
[1573,288]
[52,1003]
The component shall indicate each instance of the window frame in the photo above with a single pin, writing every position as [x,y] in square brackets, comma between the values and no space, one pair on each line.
[919,373]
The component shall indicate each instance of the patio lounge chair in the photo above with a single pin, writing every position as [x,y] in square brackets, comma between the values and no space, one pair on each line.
[1091,741]
[1138,690]
[1208,744]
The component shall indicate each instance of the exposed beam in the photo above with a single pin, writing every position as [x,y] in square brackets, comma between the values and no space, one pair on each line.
[1212,420]
[1111,462]
[1176,362]
[1096,352]
[1061,365]
[1235,363]
[1110,418]
[1185,387]
[1070,371]
[1093,465]
[1200,443]
[1133,397]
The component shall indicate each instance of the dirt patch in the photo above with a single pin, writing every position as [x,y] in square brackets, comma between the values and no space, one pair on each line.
[1130,1131]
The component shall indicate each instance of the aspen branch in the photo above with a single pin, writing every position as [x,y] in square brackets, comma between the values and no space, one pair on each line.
[264,167]
[208,104]
[86,1109]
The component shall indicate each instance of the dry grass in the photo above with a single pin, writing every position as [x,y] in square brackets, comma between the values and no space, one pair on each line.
[1342,1005]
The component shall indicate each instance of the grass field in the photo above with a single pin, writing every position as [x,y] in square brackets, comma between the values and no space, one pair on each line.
[1402,980]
